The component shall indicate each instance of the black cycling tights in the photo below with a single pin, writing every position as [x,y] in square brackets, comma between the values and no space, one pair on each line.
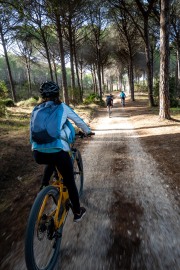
[64,164]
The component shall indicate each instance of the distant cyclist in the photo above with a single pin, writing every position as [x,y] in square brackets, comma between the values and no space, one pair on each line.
[109,101]
[122,97]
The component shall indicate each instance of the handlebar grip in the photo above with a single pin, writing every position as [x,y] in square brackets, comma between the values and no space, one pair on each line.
[91,133]
[82,134]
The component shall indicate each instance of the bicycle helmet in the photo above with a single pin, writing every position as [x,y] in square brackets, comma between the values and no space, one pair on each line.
[49,89]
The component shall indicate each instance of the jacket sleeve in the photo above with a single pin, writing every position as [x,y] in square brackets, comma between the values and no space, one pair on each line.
[76,119]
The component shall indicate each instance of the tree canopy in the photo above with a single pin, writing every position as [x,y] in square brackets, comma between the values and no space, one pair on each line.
[108,39]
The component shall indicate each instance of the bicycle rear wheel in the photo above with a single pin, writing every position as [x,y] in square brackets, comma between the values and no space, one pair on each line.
[123,102]
[42,242]
[78,172]
[109,110]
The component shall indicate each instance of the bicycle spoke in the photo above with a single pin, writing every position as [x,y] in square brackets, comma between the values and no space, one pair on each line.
[42,240]
[44,247]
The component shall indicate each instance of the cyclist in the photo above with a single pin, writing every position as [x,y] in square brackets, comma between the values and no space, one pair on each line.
[109,101]
[122,97]
[56,153]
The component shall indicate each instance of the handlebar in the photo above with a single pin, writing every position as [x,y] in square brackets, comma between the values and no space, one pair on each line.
[81,134]
[91,134]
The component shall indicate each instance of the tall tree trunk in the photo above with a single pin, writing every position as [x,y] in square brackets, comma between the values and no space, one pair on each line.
[178,72]
[94,79]
[131,80]
[8,66]
[71,58]
[99,71]
[103,83]
[148,63]
[29,82]
[131,73]
[81,79]
[77,75]
[63,67]
[28,76]
[107,86]
[92,74]
[55,69]
[164,104]
[47,54]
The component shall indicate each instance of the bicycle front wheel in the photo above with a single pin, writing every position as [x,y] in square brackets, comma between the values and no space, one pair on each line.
[42,241]
[78,172]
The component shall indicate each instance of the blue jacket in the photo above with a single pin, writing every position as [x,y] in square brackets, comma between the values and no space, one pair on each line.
[122,95]
[64,112]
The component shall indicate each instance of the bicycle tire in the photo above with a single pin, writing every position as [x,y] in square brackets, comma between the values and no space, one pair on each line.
[123,102]
[78,172]
[47,249]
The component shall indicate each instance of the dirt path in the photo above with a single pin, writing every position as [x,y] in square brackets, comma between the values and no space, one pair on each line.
[132,219]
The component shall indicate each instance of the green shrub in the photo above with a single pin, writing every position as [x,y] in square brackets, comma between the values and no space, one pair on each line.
[8,102]
[2,109]
[36,98]
[92,98]
[3,90]
[29,102]
[5,103]
[140,88]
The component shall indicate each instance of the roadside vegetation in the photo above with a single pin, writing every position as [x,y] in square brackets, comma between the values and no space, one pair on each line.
[90,48]
[17,117]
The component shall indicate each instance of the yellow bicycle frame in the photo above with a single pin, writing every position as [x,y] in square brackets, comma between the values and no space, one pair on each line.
[63,198]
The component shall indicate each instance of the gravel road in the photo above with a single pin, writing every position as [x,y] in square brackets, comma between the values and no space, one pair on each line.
[132,221]
[119,174]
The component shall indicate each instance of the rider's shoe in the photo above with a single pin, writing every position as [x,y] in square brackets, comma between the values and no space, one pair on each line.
[78,217]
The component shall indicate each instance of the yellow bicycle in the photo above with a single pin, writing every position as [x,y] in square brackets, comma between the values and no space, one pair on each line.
[47,218]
